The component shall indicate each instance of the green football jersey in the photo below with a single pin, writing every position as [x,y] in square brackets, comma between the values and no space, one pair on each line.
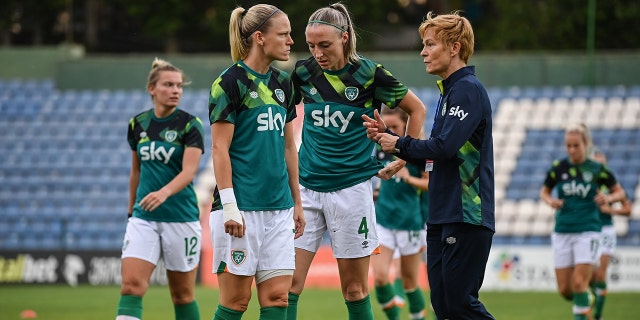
[398,204]
[335,152]
[160,144]
[577,185]
[259,106]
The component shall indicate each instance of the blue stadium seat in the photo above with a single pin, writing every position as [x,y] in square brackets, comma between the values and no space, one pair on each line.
[66,159]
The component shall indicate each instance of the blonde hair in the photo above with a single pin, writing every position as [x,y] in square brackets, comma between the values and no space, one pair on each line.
[337,15]
[451,28]
[161,65]
[244,23]
[583,130]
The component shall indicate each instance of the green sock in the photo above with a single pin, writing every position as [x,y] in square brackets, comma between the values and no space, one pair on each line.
[398,288]
[580,305]
[385,296]
[600,290]
[189,311]
[130,305]
[273,313]
[416,304]
[360,310]
[224,313]
[292,309]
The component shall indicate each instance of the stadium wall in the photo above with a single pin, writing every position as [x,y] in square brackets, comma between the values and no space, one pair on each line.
[72,69]
[510,268]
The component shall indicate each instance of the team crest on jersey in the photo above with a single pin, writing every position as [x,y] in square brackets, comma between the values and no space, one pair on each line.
[238,256]
[351,93]
[143,134]
[587,176]
[280,95]
[313,91]
[253,94]
[444,109]
[170,135]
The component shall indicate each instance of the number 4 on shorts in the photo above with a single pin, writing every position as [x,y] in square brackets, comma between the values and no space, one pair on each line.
[363,227]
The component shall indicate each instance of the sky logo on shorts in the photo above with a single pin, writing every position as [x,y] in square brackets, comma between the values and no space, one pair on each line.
[450,240]
[238,256]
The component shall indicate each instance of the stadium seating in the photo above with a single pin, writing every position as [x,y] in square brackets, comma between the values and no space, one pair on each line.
[65,158]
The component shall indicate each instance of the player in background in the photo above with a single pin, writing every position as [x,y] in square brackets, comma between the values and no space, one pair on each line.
[576,236]
[461,181]
[607,243]
[166,145]
[337,86]
[400,229]
[257,211]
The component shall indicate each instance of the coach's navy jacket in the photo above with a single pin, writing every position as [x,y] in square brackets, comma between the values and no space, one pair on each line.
[461,185]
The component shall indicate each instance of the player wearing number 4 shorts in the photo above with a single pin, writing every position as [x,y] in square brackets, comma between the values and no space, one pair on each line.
[337,87]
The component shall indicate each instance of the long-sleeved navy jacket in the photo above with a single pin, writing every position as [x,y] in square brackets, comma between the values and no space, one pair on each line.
[461,185]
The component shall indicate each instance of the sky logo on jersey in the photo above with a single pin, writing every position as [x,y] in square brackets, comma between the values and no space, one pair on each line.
[280,95]
[151,152]
[326,118]
[574,188]
[458,112]
[268,121]
[351,93]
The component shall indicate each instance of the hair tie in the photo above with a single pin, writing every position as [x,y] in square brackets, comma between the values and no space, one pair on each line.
[343,29]
[263,22]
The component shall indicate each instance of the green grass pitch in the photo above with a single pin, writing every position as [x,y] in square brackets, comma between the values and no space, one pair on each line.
[87,302]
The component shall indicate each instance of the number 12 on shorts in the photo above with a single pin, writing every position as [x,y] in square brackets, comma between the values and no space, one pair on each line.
[190,245]
[363,228]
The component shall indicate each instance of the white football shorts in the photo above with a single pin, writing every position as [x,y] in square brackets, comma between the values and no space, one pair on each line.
[404,242]
[608,240]
[570,249]
[349,215]
[178,243]
[266,245]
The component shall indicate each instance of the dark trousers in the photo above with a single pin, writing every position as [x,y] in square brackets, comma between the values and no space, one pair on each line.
[457,255]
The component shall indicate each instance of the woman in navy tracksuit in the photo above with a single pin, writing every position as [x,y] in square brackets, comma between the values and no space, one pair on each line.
[461,188]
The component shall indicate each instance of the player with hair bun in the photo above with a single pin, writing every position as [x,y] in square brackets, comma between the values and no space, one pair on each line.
[166,145]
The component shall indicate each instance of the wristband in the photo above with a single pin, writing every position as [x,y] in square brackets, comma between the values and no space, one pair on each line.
[227,196]
[129,214]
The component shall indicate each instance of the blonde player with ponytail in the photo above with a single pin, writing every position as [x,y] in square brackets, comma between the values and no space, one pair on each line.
[257,211]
